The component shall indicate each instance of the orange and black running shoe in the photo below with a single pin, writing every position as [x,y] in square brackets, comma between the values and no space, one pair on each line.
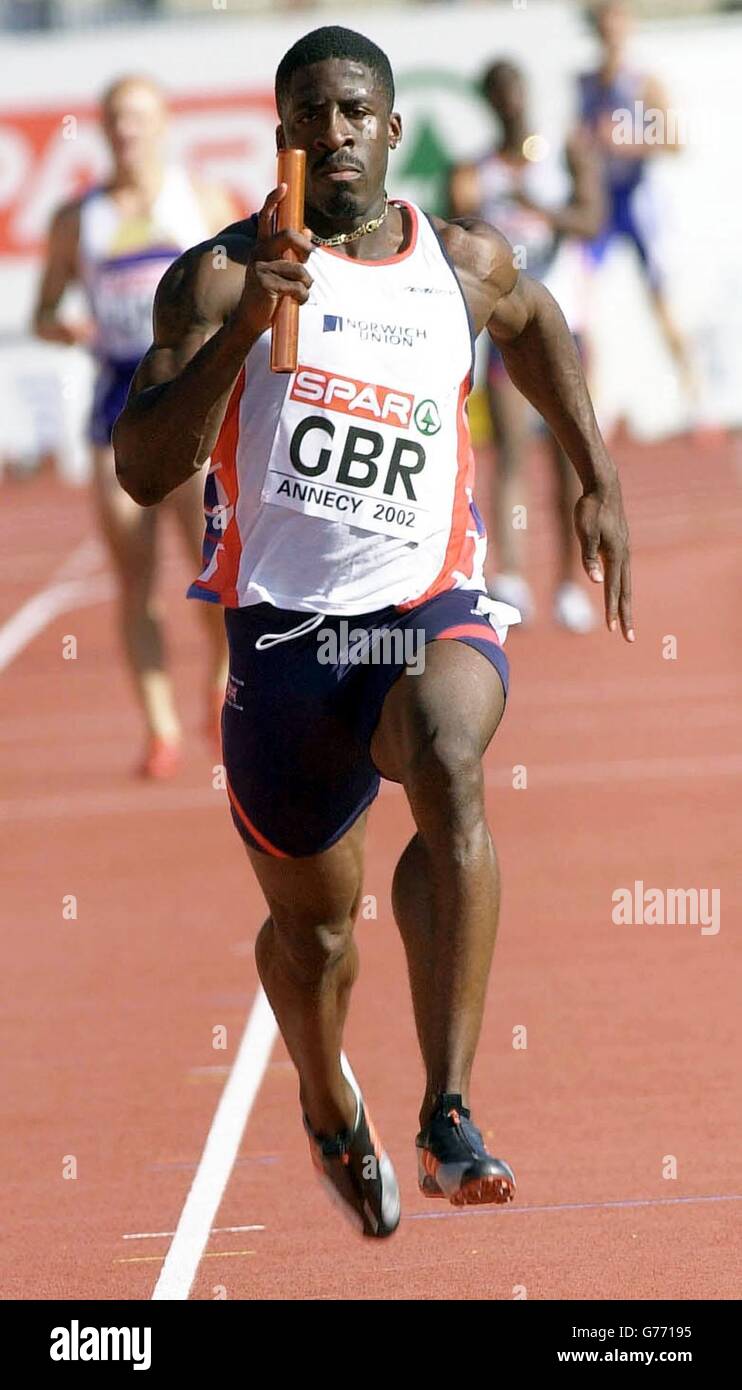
[356,1172]
[452,1160]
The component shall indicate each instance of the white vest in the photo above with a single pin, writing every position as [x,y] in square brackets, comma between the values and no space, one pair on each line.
[346,486]
[123,260]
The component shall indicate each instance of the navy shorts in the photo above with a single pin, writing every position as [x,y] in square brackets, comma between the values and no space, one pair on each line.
[299,715]
[109,398]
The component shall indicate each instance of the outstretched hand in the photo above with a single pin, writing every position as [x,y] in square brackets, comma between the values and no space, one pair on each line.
[603,534]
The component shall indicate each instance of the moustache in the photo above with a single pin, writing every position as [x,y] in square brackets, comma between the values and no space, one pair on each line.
[336,167]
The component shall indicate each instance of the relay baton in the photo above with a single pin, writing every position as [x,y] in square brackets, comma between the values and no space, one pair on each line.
[289,214]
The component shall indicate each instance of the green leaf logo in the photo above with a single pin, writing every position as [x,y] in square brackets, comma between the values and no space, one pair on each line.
[427,418]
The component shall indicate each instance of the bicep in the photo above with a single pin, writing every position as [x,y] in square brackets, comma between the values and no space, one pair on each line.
[191,304]
[164,362]
[512,311]
[508,290]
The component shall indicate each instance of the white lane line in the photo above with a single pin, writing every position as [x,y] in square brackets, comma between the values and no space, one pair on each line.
[73,585]
[220,1151]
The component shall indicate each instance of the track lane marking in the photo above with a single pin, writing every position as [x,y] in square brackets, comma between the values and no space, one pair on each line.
[220,1151]
[74,584]
[620,1204]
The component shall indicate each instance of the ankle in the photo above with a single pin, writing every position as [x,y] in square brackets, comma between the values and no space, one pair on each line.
[453,1095]
[330,1113]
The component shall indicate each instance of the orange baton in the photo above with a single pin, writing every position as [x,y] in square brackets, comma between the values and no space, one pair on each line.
[289,213]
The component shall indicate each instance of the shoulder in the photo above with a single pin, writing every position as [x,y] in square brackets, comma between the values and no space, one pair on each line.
[216,203]
[204,284]
[478,250]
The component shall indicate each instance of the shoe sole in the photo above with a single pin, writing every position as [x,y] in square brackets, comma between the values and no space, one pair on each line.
[491,1188]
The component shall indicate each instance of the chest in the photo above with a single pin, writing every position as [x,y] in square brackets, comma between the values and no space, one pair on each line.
[405,323]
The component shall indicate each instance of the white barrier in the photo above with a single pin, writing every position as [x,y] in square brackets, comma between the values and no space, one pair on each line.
[220,71]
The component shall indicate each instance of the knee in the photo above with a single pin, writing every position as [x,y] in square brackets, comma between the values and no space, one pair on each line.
[446,785]
[307,948]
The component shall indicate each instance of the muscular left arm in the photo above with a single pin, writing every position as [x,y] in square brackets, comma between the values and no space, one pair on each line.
[541,359]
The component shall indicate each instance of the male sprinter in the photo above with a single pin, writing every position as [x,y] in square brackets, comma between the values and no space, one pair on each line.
[344,491]
[117,240]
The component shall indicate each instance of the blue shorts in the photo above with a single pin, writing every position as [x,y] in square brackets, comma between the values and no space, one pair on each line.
[299,716]
[109,398]
[624,222]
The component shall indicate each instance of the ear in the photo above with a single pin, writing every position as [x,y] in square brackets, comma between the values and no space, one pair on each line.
[394,129]
[280,138]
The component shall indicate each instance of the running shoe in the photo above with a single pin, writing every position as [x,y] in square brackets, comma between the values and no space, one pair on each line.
[452,1160]
[356,1172]
[573,609]
[162,759]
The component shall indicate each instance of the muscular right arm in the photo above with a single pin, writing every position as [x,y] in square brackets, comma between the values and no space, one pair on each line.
[211,306]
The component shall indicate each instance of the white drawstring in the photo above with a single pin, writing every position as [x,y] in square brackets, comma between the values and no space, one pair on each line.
[271,639]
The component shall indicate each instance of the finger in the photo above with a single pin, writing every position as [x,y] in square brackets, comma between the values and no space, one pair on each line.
[624,607]
[284,288]
[590,545]
[288,270]
[265,216]
[612,586]
[279,243]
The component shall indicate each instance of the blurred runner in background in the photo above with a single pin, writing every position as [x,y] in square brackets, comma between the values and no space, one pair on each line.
[117,240]
[628,115]
[539,197]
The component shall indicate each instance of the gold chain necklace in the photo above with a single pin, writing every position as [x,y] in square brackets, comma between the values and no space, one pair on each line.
[343,237]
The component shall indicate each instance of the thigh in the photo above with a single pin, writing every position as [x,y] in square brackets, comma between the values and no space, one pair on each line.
[128,528]
[451,709]
[298,773]
[317,890]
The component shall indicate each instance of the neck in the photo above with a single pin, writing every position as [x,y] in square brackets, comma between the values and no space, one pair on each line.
[514,133]
[384,241]
[143,178]
[326,224]
[611,65]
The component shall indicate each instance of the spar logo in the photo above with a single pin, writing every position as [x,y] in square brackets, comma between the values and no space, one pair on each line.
[427,417]
[360,399]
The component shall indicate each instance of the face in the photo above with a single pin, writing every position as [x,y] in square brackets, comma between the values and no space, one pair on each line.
[336,111]
[134,123]
[506,93]
[613,24]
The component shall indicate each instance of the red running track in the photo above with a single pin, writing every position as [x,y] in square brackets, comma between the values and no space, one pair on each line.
[633,770]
